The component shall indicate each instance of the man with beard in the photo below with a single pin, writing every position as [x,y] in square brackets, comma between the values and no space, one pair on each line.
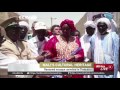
[105,46]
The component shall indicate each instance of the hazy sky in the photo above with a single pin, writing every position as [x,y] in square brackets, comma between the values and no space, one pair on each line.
[45,16]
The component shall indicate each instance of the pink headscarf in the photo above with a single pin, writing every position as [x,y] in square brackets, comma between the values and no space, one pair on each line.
[70,23]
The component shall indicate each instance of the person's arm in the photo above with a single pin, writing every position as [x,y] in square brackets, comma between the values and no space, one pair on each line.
[50,48]
[115,47]
[78,55]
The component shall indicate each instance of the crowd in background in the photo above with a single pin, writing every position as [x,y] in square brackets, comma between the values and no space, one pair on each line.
[62,43]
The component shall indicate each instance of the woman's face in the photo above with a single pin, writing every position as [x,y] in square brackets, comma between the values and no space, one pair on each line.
[66,31]
[77,34]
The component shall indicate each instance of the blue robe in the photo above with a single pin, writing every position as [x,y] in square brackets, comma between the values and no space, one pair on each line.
[108,59]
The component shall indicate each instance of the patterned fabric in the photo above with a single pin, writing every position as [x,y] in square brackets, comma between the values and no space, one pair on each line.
[65,49]
[58,47]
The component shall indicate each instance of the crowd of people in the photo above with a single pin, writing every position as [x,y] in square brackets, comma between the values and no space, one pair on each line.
[62,43]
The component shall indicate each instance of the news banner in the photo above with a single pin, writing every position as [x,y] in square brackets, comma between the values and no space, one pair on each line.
[27,67]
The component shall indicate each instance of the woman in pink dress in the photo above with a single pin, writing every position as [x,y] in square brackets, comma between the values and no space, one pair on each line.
[65,47]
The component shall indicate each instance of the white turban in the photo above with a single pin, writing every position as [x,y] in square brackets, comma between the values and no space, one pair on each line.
[105,20]
[89,23]
[23,23]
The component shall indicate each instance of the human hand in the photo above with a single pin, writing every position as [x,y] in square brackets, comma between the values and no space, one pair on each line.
[56,59]
[71,58]
[40,58]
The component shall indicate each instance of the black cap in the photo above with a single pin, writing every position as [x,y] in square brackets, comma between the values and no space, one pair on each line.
[13,25]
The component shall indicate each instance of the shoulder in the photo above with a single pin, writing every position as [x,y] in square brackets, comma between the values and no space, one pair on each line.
[92,38]
[6,43]
[54,39]
[76,38]
[114,35]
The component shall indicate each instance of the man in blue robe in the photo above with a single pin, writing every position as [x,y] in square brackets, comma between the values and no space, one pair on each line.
[105,46]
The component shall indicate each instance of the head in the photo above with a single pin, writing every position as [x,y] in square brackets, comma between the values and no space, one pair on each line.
[40,30]
[77,33]
[90,28]
[24,29]
[67,27]
[55,29]
[13,32]
[103,25]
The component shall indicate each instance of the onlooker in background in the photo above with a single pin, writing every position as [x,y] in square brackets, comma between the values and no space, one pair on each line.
[55,29]
[77,33]
[85,39]
[24,26]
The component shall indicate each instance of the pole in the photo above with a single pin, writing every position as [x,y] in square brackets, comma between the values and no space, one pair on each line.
[51,20]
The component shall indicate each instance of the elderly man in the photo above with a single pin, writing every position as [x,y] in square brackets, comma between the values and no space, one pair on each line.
[4,60]
[13,46]
[105,46]
[37,43]
[109,15]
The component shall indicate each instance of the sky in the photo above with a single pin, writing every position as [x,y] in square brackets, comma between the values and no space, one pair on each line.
[57,17]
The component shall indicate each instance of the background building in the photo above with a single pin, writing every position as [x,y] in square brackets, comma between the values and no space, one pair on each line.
[117,19]
[80,25]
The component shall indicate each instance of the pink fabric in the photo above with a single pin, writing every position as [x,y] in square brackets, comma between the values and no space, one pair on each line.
[51,47]
[70,23]
[81,52]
